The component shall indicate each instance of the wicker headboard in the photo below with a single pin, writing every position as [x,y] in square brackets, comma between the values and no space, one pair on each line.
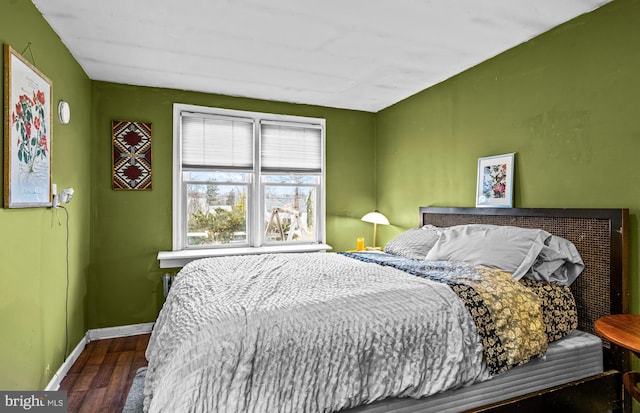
[600,235]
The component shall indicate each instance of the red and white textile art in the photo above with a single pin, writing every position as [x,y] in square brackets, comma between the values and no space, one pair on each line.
[131,155]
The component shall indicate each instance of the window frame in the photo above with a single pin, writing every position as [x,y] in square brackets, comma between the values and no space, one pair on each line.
[181,253]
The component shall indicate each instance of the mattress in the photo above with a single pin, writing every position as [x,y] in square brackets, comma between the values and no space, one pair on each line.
[575,357]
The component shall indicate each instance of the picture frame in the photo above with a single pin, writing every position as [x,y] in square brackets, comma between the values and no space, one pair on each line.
[27,133]
[494,186]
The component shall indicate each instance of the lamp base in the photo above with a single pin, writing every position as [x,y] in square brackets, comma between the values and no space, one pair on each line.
[374,248]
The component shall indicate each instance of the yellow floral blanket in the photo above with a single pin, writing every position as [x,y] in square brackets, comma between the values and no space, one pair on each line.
[507,314]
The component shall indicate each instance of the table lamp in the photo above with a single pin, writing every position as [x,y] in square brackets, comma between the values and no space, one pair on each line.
[375,218]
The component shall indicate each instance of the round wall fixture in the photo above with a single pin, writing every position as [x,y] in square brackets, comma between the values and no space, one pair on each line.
[64,112]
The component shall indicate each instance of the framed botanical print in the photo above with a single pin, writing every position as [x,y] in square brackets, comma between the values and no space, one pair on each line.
[495,181]
[27,133]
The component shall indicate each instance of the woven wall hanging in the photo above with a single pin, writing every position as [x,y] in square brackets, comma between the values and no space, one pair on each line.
[131,155]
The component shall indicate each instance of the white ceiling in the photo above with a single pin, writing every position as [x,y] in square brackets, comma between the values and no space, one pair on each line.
[353,54]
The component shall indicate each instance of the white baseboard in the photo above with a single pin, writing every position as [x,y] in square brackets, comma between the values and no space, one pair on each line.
[54,384]
[92,335]
[120,331]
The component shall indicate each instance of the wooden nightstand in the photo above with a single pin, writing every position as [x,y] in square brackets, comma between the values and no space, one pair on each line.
[624,331]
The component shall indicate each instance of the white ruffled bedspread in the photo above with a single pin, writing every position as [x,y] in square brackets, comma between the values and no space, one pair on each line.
[315,332]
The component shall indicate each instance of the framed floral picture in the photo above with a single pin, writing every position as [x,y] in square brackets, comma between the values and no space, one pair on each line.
[495,181]
[27,133]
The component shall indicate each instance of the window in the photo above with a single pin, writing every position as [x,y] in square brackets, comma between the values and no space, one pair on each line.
[247,181]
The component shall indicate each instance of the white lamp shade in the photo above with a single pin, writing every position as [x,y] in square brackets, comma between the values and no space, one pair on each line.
[375,218]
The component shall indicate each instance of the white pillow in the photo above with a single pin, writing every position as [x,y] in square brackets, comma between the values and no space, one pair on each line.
[559,261]
[414,243]
[512,249]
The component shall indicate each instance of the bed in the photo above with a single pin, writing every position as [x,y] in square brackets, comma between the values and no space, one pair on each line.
[332,332]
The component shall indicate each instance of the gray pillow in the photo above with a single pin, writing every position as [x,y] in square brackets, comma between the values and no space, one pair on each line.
[559,261]
[512,249]
[414,243]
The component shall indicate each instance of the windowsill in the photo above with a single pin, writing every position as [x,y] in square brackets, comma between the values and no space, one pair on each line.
[175,259]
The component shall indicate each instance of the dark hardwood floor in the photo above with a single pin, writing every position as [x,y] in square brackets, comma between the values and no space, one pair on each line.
[100,379]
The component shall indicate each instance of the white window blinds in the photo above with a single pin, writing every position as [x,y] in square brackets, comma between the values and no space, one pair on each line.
[218,142]
[290,147]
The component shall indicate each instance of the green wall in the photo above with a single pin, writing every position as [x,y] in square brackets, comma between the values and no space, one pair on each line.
[32,240]
[130,227]
[567,103]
